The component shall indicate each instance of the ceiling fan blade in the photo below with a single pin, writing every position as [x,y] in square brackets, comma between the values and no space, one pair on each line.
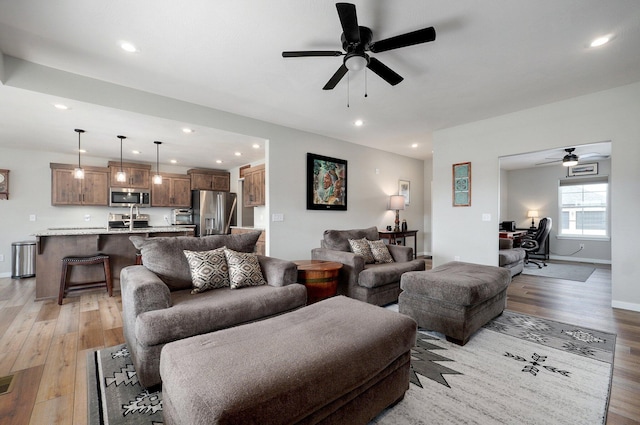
[409,39]
[593,155]
[349,22]
[384,71]
[336,78]
[549,162]
[304,53]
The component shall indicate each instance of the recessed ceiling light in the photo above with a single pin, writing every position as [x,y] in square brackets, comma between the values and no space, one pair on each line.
[83,151]
[256,146]
[128,47]
[238,154]
[174,161]
[135,152]
[415,145]
[61,106]
[218,161]
[600,41]
[358,123]
[188,130]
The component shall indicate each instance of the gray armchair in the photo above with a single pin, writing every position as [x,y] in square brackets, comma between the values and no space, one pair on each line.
[158,306]
[377,284]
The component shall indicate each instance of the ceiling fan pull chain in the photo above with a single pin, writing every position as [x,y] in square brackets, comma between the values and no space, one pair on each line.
[348,87]
[365,83]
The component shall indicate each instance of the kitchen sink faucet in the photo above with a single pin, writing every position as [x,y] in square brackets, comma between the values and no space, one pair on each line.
[131,215]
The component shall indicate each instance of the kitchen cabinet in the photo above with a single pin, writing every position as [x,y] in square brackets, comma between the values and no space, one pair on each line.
[67,190]
[138,175]
[254,186]
[174,192]
[203,179]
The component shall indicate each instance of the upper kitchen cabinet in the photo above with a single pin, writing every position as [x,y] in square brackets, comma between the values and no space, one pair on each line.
[137,174]
[67,190]
[254,186]
[174,192]
[202,179]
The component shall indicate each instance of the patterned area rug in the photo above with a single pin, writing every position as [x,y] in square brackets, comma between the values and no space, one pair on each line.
[518,369]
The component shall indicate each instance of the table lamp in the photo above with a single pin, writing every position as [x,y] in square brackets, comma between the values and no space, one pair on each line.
[396,202]
[532,214]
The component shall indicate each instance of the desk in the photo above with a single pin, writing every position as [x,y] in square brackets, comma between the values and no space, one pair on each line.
[516,236]
[320,278]
[394,237]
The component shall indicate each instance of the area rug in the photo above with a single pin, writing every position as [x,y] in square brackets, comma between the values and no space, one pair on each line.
[518,369]
[575,272]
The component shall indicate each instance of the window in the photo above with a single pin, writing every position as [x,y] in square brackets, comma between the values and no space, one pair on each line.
[584,207]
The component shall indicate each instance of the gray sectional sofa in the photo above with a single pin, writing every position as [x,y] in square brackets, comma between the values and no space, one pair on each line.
[158,306]
[509,257]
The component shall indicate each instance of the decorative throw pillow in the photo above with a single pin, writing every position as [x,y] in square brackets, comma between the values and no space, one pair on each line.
[209,269]
[244,269]
[380,251]
[361,247]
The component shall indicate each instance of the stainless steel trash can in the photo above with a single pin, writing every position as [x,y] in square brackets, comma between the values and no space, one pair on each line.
[23,259]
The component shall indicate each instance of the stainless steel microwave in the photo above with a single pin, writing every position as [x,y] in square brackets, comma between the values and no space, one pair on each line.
[121,197]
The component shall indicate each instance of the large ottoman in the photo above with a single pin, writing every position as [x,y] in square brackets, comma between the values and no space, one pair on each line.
[455,298]
[337,361]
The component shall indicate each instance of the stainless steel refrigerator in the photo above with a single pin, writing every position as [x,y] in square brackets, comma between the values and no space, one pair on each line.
[213,212]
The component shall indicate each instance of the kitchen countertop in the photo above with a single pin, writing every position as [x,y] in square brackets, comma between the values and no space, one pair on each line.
[73,231]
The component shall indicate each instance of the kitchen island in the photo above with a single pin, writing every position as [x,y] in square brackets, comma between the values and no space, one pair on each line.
[52,245]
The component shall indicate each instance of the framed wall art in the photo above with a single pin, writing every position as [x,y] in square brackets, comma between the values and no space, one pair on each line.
[462,184]
[582,170]
[326,183]
[404,189]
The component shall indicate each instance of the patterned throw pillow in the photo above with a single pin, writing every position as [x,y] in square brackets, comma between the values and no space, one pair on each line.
[209,269]
[244,269]
[361,247]
[380,251]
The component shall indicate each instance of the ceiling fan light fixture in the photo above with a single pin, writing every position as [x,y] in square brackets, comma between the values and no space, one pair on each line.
[570,160]
[355,62]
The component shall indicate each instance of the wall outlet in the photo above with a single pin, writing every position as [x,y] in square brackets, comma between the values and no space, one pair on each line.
[32,217]
[456,258]
[1,257]
[581,246]
[87,217]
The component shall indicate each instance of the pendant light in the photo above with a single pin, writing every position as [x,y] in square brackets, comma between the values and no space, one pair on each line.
[78,173]
[157,179]
[121,176]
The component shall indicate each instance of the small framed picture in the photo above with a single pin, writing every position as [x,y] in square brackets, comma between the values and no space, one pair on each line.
[404,189]
[583,170]
[462,184]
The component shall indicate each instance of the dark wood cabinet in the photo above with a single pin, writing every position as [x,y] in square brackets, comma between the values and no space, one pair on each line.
[138,175]
[174,192]
[254,186]
[67,190]
[202,179]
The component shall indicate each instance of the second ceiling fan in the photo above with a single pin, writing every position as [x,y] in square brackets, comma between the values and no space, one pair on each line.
[357,40]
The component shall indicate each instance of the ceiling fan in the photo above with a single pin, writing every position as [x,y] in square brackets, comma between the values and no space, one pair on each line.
[357,40]
[571,159]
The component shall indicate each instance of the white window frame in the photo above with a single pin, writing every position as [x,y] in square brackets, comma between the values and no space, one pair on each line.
[579,234]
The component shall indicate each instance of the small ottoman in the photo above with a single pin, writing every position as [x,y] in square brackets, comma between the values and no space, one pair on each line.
[337,361]
[455,298]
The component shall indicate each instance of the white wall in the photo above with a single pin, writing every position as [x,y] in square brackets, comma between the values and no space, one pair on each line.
[607,115]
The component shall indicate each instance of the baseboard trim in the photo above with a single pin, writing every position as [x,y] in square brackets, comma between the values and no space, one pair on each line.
[625,306]
[7,274]
[579,260]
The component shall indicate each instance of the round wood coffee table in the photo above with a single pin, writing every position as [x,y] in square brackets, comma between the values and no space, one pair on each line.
[320,278]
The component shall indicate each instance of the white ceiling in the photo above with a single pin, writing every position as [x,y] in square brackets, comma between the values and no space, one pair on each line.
[489,58]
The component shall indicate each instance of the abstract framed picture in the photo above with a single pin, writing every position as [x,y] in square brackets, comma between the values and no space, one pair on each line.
[404,189]
[326,183]
[462,184]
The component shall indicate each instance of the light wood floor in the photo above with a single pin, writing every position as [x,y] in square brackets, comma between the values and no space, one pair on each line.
[45,345]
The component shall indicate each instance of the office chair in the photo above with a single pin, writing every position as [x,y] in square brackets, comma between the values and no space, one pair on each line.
[536,244]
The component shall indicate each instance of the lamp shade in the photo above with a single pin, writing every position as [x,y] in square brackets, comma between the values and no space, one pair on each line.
[396,202]
[532,214]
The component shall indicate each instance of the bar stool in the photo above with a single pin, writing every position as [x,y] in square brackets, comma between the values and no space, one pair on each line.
[84,261]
